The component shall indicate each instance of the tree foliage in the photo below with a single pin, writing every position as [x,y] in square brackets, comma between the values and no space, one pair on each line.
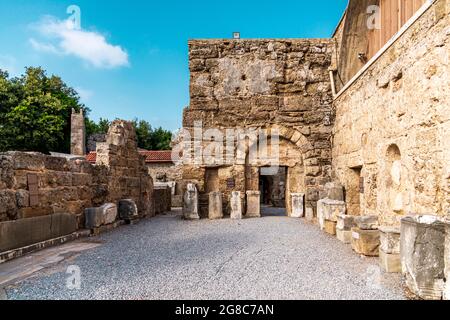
[35,111]
[35,114]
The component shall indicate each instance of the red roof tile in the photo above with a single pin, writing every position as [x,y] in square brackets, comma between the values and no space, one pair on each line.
[150,156]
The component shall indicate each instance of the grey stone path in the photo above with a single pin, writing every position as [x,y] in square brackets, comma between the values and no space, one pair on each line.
[168,258]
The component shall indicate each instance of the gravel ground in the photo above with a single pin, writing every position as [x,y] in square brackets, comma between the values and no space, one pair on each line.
[168,258]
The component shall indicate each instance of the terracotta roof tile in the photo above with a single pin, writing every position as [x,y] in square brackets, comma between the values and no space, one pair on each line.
[150,156]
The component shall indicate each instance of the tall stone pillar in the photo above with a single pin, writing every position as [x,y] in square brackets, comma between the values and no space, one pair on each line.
[190,203]
[298,208]
[77,134]
[253,204]
[215,206]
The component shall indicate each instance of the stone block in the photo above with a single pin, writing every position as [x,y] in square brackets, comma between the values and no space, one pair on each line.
[367,222]
[345,222]
[329,210]
[390,240]
[215,206]
[390,262]
[422,255]
[236,205]
[344,236]
[298,201]
[253,204]
[128,209]
[330,227]
[25,232]
[366,242]
[96,217]
[190,203]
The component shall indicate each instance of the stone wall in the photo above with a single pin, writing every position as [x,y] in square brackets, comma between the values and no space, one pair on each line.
[278,85]
[127,176]
[33,185]
[391,146]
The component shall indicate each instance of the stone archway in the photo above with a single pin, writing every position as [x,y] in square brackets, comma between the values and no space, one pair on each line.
[292,149]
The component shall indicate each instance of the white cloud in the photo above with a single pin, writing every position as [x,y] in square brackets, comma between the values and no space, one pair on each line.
[63,38]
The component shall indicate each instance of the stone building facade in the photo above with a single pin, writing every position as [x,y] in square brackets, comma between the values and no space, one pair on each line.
[370,115]
[278,86]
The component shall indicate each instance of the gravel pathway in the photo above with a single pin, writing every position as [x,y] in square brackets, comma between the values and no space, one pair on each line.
[168,258]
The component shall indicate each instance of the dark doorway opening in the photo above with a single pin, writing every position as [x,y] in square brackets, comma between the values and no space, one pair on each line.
[272,185]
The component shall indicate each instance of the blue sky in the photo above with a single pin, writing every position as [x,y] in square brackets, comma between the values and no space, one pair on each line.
[130,57]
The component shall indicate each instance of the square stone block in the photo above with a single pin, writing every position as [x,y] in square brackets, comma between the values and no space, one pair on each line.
[330,227]
[366,242]
[390,239]
[344,236]
[391,263]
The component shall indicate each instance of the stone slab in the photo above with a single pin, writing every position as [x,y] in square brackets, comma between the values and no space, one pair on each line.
[390,263]
[253,204]
[447,260]
[215,206]
[190,203]
[128,209]
[366,242]
[25,232]
[236,205]
[298,205]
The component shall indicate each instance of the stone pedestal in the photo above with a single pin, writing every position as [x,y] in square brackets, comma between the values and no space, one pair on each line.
[253,204]
[366,242]
[236,205]
[422,255]
[344,227]
[390,249]
[190,203]
[298,208]
[329,210]
[215,207]
[330,227]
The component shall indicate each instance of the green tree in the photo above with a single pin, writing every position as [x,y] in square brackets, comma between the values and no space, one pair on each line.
[35,112]
[161,139]
[92,127]
[143,134]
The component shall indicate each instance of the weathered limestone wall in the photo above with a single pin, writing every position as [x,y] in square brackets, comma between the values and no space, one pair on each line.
[271,84]
[34,185]
[392,126]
